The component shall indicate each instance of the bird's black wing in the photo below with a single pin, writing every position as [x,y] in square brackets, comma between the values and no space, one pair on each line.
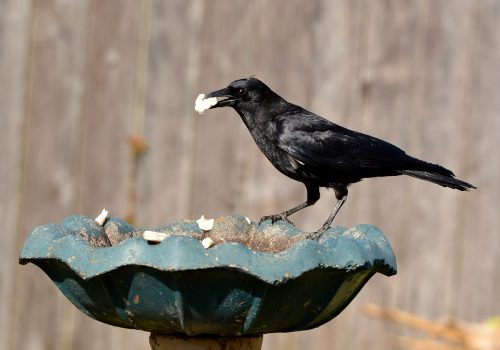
[316,142]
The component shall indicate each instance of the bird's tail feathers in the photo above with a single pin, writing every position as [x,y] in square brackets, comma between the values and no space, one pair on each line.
[445,180]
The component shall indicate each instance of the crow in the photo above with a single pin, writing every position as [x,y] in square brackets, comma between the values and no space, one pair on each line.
[315,151]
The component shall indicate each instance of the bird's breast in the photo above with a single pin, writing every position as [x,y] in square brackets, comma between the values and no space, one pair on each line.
[281,160]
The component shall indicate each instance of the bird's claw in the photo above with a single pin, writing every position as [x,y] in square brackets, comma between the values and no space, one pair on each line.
[275,218]
[316,235]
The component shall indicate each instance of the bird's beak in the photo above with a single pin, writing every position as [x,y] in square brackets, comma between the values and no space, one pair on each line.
[224,97]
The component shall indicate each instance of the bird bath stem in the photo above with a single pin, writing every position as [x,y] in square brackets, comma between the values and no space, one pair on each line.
[250,280]
[159,341]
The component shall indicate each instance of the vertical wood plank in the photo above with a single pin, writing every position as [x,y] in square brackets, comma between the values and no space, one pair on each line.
[107,114]
[386,89]
[172,79]
[284,62]
[14,31]
[437,114]
[114,30]
[50,145]
[478,284]
[228,52]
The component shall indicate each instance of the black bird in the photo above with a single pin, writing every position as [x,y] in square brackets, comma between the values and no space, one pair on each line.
[317,152]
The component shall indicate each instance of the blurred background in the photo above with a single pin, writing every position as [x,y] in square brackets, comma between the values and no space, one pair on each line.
[96,111]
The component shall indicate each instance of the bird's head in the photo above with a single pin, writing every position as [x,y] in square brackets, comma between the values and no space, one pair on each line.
[242,94]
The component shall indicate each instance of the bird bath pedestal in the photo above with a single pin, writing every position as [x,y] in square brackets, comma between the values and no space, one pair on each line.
[253,279]
[162,341]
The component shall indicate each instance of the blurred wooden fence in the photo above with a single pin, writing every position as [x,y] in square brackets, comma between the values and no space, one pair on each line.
[78,78]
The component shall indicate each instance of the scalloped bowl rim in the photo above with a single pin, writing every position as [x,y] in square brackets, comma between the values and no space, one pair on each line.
[180,253]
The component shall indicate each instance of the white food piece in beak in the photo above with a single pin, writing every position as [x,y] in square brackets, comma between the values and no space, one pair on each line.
[205,224]
[202,104]
[102,217]
[153,236]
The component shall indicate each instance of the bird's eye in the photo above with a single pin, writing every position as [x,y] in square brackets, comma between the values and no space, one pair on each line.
[241,92]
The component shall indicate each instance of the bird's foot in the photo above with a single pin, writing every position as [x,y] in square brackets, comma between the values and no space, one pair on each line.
[276,217]
[316,235]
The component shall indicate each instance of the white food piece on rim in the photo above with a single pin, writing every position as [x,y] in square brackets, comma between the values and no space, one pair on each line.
[153,236]
[205,224]
[248,220]
[202,104]
[207,242]
[102,217]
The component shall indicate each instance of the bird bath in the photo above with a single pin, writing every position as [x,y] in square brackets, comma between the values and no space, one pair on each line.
[255,279]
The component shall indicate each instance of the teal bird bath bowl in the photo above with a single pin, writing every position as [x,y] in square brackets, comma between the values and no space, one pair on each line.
[256,279]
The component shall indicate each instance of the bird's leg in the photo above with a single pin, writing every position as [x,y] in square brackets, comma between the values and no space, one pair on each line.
[341,194]
[328,222]
[312,197]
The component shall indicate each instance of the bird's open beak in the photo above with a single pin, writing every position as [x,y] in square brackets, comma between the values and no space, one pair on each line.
[224,97]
